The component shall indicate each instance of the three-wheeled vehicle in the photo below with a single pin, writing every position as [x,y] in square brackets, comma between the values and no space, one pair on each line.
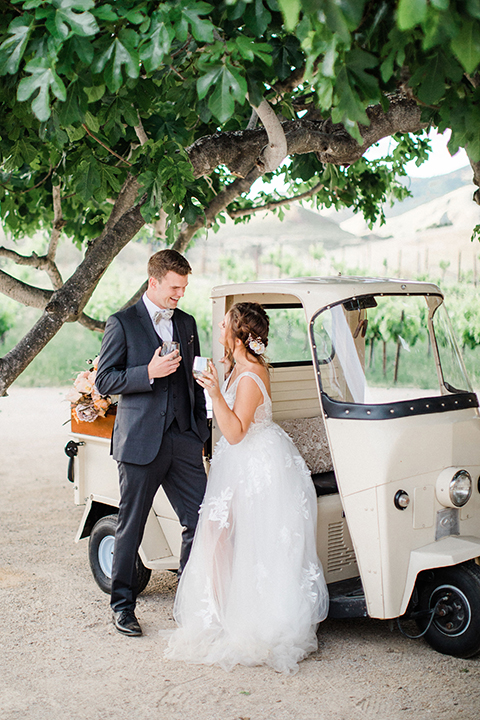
[368,380]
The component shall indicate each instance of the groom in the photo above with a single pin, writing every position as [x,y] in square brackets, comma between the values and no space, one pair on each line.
[161,424]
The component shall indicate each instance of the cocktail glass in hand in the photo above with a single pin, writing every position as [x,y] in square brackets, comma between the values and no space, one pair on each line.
[200,364]
[168,347]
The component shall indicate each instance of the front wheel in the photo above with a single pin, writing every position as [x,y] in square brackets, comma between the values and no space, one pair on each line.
[453,595]
[100,554]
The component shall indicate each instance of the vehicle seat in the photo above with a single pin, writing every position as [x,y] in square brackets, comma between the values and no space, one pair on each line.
[310,439]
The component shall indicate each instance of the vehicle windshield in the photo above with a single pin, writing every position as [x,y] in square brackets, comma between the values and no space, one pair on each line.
[387,348]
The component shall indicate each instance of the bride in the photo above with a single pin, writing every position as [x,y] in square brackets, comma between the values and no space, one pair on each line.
[253,590]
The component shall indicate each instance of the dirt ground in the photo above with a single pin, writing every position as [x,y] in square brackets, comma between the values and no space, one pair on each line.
[61,658]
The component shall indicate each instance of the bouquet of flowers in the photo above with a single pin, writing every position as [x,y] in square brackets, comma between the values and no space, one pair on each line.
[84,396]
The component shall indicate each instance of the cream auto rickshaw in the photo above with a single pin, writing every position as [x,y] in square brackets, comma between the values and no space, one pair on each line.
[368,380]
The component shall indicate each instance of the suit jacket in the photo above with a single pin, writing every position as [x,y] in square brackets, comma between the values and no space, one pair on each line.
[128,345]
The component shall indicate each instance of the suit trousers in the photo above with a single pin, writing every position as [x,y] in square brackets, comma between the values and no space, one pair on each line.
[178,467]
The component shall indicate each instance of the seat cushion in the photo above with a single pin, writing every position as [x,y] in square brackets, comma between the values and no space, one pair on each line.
[310,438]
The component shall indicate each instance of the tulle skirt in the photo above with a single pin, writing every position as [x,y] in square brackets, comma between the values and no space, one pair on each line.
[253,590]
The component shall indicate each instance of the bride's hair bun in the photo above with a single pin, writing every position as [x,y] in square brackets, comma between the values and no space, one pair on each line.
[249,322]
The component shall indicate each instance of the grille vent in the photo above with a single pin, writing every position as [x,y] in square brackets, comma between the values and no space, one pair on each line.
[339,554]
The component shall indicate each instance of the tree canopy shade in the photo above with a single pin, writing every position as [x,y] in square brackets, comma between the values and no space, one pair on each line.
[118,114]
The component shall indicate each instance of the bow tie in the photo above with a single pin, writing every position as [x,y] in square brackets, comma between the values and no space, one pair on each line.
[162,315]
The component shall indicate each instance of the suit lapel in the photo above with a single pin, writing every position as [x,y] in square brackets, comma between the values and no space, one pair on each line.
[147,324]
[179,328]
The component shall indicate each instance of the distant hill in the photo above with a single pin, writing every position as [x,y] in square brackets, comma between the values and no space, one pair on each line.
[426,189]
[423,190]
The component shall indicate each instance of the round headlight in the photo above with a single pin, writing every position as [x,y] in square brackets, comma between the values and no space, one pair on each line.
[460,489]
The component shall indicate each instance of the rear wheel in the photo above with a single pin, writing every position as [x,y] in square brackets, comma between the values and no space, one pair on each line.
[453,595]
[100,553]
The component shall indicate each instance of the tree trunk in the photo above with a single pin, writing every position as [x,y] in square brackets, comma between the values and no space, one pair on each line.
[67,303]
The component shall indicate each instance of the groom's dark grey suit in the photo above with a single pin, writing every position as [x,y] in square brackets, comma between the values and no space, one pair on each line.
[158,436]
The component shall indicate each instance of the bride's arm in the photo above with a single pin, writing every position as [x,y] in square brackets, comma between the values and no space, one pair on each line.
[234,423]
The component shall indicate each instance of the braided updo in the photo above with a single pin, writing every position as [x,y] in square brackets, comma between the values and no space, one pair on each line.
[247,321]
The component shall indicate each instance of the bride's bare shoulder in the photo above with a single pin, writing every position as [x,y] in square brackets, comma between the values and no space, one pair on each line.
[262,373]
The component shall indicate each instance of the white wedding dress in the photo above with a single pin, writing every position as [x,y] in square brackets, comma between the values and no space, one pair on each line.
[253,590]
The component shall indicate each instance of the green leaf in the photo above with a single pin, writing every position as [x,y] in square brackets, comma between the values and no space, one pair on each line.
[80,23]
[42,78]
[291,12]
[229,86]
[358,61]
[136,17]
[221,103]
[109,179]
[202,30]
[88,179]
[75,134]
[83,48]
[91,122]
[249,49]
[411,13]
[158,45]
[28,152]
[94,93]
[113,59]
[466,45]
[206,81]
[473,8]
[72,109]
[106,13]
[336,20]
[12,49]
[257,17]
[102,59]
[349,109]
[429,81]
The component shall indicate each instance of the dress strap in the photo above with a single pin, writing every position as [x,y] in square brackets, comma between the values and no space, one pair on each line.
[258,380]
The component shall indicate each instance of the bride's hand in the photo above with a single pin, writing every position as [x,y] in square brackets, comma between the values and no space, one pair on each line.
[209,381]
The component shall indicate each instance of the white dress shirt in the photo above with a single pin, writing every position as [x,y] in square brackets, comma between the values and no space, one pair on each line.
[163,328]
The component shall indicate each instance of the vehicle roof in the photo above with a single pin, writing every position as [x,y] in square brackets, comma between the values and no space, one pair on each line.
[315,292]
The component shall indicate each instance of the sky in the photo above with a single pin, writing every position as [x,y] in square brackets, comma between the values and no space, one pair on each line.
[440,161]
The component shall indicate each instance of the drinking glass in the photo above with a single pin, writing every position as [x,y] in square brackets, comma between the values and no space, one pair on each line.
[169,346]
[200,364]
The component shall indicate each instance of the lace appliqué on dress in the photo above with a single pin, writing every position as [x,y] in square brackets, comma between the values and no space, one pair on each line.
[220,508]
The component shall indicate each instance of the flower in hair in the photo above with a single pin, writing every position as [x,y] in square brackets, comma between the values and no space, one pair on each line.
[256,345]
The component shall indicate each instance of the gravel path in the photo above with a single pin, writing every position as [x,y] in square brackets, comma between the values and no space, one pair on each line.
[61,658]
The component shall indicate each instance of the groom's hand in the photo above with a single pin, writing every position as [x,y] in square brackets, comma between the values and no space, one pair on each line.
[162,366]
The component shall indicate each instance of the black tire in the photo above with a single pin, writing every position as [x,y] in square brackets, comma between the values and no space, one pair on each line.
[100,554]
[454,592]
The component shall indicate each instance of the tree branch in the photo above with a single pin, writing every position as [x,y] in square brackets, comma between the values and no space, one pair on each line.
[140,131]
[19,291]
[243,212]
[136,296]
[276,150]
[239,150]
[58,223]
[39,262]
[66,304]
[219,203]
[91,324]
[124,202]
[112,152]
[476,179]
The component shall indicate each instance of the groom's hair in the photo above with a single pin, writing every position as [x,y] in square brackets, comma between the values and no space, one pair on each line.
[165,261]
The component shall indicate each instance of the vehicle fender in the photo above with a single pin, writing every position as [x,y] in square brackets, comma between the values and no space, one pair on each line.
[447,551]
[95,508]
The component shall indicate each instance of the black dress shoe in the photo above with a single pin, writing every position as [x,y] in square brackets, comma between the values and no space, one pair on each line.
[126,623]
